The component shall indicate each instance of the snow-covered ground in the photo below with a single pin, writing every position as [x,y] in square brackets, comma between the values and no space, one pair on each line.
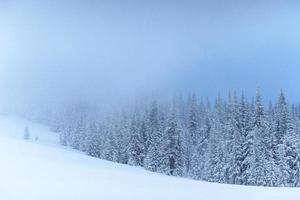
[43,170]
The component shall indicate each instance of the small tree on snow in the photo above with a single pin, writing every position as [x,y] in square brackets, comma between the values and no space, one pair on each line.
[26,135]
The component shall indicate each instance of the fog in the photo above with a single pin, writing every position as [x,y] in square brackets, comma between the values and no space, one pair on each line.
[107,51]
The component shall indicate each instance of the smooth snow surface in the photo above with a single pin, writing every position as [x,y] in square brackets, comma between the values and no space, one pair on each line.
[43,170]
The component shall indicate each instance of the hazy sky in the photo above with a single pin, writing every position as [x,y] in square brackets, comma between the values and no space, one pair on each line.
[51,50]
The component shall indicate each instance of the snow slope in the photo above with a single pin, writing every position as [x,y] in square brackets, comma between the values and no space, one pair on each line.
[43,170]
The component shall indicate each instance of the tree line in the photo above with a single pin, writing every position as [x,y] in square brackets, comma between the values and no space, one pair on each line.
[233,141]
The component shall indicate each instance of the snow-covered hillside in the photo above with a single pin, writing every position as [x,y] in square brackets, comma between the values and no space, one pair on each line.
[42,170]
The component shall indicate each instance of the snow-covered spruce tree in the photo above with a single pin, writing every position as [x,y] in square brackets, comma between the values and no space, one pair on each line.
[292,159]
[63,138]
[263,167]
[282,131]
[93,141]
[230,140]
[296,121]
[216,146]
[182,110]
[69,131]
[200,149]
[70,127]
[110,147]
[172,157]
[244,150]
[78,117]
[182,107]
[82,134]
[288,144]
[273,177]
[66,127]
[122,135]
[136,152]
[282,119]
[154,133]
[192,132]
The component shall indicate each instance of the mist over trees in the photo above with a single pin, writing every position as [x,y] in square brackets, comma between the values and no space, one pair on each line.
[233,141]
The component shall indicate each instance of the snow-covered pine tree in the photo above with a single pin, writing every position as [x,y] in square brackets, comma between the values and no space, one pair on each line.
[122,137]
[282,119]
[110,147]
[261,166]
[282,132]
[136,152]
[154,134]
[288,157]
[273,177]
[82,134]
[292,159]
[67,126]
[199,151]
[63,139]
[93,141]
[259,130]
[244,150]
[192,132]
[231,169]
[172,157]
[216,146]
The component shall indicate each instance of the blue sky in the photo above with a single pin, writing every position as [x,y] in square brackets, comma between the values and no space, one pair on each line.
[121,48]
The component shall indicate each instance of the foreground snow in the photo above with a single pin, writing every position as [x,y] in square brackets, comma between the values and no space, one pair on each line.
[43,170]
